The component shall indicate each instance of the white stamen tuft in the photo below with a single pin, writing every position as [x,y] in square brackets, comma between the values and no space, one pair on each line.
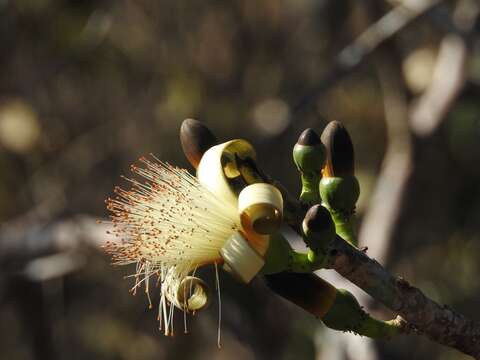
[168,225]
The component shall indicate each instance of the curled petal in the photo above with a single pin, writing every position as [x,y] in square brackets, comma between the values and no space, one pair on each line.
[261,208]
[218,168]
[189,293]
[240,258]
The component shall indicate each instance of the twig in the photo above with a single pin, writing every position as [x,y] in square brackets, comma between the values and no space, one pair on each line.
[42,250]
[438,322]
[432,107]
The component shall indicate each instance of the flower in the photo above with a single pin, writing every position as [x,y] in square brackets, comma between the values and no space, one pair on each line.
[169,225]
[172,223]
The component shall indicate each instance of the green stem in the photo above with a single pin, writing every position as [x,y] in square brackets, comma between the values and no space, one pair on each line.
[305,262]
[378,329]
[299,263]
[344,226]
[310,194]
[281,257]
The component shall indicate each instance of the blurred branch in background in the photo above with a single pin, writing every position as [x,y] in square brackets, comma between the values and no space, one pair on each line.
[33,253]
[367,43]
[423,116]
[45,250]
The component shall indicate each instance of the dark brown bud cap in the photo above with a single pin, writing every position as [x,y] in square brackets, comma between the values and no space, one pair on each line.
[196,138]
[340,154]
[308,138]
[318,219]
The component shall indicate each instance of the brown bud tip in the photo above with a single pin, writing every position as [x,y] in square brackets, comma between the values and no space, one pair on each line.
[318,218]
[196,138]
[308,137]
[340,155]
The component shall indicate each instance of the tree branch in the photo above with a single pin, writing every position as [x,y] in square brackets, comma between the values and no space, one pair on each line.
[438,322]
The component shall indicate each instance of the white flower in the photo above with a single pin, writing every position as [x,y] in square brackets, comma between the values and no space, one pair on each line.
[169,225]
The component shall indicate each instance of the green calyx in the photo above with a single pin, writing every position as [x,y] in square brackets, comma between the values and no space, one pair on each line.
[278,256]
[309,158]
[346,314]
[281,257]
[340,194]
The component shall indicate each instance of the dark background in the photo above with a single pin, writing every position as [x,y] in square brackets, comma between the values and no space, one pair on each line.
[86,87]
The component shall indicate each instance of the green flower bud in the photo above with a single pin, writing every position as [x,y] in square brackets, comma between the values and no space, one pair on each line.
[308,152]
[339,189]
[309,157]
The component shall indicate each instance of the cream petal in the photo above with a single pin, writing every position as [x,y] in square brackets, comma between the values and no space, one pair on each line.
[218,162]
[261,208]
[240,258]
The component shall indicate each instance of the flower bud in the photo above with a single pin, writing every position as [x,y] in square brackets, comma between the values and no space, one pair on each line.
[318,228]
[340,154]
[196,139]
[339,188]
[308,291]
[309,156]
[308,152]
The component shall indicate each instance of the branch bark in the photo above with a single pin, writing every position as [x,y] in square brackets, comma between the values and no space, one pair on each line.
[438,322]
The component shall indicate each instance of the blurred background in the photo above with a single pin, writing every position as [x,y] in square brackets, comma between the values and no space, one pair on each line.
[86,87]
